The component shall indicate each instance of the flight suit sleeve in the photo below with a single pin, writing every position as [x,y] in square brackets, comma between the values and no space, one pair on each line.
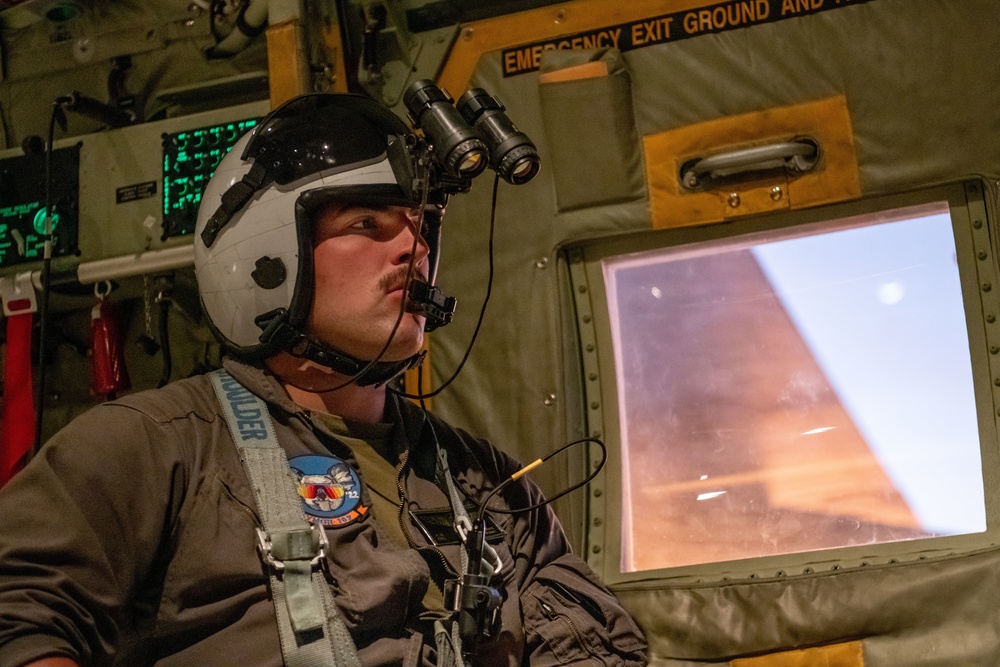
[568,616]
[79,529]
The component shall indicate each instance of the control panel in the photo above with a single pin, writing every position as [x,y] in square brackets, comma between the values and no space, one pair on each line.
[23,199]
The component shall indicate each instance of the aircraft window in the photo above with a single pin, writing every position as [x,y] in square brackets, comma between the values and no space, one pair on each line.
[794,390]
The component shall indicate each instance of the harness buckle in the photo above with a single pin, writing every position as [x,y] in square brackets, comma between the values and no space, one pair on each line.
[298,544]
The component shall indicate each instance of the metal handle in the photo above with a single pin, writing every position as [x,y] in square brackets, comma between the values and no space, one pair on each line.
[800,155]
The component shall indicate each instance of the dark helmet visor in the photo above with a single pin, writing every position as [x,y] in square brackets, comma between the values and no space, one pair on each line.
[322,133]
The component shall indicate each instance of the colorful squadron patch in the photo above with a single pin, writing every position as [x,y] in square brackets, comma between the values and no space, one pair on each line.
[329,488]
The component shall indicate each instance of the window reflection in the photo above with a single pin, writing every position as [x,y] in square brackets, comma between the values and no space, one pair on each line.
[783,393]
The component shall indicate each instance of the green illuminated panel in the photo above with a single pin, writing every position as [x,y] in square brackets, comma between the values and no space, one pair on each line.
[189,160]
[22,206]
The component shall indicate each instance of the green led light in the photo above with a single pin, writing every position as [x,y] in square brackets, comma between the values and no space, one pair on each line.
[39,222]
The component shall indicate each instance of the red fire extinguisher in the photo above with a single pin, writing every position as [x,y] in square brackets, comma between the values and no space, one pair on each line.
[108,373]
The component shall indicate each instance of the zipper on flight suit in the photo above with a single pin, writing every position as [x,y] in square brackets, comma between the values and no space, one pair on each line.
[401,514]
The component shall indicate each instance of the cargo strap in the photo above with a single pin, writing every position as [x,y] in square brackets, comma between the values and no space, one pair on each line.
[311,630]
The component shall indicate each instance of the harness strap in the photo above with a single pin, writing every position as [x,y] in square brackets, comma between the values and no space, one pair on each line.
[311,630]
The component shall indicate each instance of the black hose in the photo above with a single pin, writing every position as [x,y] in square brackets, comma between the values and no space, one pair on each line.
[165,341]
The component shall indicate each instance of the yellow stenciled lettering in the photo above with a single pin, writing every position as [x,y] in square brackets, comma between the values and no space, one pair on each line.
[763,9]
[510,62]
[705,19]
[536,56]
[615,36]
[690,23]
[637,34]
[719,17]
[523,59]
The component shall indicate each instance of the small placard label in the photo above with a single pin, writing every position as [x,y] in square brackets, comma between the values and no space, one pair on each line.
[129,193]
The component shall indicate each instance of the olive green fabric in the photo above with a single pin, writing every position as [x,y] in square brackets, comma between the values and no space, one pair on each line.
[920,79]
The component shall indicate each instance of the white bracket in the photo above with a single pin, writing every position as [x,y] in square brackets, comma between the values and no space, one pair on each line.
[18,294]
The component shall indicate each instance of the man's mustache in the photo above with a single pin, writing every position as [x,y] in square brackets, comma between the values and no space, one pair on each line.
[397,278]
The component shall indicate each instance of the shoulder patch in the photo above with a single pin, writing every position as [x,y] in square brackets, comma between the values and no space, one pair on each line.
[329,488]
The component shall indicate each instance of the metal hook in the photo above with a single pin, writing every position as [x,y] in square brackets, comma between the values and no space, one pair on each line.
[97,289]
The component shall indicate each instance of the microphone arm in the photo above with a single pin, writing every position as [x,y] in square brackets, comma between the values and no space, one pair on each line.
[97,110]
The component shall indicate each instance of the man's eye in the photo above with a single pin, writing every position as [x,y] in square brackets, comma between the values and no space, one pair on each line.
[365,223]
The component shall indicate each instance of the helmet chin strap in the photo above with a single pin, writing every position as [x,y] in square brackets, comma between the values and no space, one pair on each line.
[363,373]
[279,334]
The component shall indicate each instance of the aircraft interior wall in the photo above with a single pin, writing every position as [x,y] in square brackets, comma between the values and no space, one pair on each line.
[916,81]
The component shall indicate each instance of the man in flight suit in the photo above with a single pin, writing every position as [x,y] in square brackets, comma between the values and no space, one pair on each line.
[140,535]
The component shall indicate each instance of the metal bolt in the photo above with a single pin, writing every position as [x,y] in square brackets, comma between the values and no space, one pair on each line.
[990,317]
[560,16]
[596,548]
[590,347]
[982,254]
[592,376]
[994,349]
[549,399]
[541,262]
[977,223]
[467,34]
[776,193]
[581,289]
[734,199]
[586,318]
[594,405]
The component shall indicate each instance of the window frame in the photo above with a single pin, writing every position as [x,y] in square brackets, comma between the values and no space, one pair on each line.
[978,278]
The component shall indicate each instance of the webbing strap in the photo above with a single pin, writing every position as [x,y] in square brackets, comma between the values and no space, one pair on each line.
[311,630]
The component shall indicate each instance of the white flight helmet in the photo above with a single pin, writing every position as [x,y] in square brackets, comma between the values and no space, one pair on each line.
[253,239]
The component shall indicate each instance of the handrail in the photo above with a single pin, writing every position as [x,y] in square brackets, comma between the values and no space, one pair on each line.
[800,156]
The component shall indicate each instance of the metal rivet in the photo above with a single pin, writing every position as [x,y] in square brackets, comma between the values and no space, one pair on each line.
[590,347]
[549,399]
[541,262]
[595,434]
[598,521]
[734,199]
[467,34]
[581,289]
[594,405]
[994,349]
[776,193]
[596,548]
[982,254]
[990,317]
[560,16]
[586,318]
[977,223]
[987,287]
[592,376]
[807,570]
[598,493]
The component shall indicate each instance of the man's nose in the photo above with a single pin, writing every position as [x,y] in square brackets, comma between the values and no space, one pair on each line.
[406,245]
